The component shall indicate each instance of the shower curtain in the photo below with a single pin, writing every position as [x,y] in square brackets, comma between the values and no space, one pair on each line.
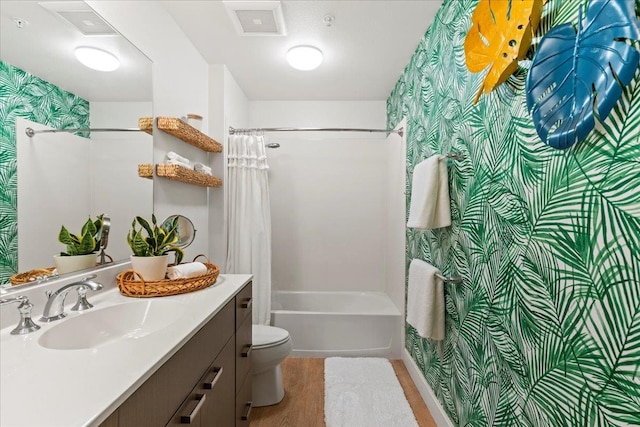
[249,219]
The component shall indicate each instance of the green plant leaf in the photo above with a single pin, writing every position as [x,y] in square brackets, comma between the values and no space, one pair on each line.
[153,240]
[65,237]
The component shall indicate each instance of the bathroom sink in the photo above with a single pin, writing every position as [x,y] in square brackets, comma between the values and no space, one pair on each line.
[96,327]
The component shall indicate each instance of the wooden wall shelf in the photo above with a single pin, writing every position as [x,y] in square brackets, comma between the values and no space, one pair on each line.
[145,170]
[146,124]
[178,173]
[182,130]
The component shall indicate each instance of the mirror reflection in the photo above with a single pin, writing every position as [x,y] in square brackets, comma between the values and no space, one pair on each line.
[54,179]
[186,230]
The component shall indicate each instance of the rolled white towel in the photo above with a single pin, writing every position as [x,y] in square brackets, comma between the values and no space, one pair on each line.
[179,163]
[175,156]
[200,167]
[184,271]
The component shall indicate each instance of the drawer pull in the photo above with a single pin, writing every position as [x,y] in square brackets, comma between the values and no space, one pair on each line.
[247,303]
[209,384]
[247,411]
[246,350]
[197,404]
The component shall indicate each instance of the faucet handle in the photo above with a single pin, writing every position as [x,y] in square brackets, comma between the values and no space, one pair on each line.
[25,325]
[82,303]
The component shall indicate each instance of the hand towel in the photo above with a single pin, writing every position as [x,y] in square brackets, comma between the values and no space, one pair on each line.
[186,270]
[430,205]
[175,156]
[425,300]
[179,163]
[200,167]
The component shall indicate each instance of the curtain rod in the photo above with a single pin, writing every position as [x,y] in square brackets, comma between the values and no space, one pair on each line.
[233,131]
[30,132]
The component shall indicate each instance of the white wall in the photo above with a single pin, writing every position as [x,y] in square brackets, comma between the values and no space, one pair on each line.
[117,191]
[180,86]
[327,195]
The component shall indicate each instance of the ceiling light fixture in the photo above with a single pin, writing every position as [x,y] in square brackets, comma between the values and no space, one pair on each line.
[304,58]
[97,59]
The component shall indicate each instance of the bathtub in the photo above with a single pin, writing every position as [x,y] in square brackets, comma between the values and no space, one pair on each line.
[324,324]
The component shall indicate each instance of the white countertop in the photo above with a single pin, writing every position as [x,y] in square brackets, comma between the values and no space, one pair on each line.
[44,387]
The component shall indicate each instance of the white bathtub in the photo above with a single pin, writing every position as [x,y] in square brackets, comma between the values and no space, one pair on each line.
[324,324]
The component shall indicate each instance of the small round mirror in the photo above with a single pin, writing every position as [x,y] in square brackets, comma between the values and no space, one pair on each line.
[186,230]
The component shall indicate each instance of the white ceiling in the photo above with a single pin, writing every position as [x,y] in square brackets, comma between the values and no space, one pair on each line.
[366,48]
[44,46]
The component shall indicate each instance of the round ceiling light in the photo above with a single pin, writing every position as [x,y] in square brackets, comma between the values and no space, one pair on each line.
[304,58]
[97,59]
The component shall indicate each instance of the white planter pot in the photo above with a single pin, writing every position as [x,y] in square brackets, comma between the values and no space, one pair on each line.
[151,268]
[67,264]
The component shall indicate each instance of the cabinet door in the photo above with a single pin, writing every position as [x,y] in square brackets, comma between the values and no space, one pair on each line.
[244,304]
[244,404]
[219,386]
[243,352]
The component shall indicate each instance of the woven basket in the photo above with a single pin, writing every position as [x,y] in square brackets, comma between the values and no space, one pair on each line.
[146,124]
[31,275]
[145,170]
[132,284]
[184,131]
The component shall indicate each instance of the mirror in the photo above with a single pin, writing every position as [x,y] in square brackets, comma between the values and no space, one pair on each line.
[186,230]
[54,179]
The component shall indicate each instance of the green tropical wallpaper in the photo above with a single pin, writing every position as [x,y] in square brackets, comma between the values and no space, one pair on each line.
[545,329]
[27,96]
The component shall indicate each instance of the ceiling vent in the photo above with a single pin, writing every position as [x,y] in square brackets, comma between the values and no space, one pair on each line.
[81,16]
[256,18]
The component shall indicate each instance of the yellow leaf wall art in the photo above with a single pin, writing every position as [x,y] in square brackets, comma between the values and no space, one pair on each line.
[500,35]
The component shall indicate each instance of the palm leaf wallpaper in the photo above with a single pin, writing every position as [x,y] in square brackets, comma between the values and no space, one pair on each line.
[545,329]
[27,96]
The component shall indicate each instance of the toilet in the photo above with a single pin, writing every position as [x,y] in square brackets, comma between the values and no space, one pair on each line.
[270,347]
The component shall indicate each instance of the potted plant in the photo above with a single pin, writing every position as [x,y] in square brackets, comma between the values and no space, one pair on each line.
[82,248]
[151,245]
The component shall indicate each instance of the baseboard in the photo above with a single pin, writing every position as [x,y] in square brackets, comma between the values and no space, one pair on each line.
[437,412]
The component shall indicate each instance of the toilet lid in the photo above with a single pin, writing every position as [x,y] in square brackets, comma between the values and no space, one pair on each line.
[267,336]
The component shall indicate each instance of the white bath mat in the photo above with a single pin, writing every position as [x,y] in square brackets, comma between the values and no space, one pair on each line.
[364,392]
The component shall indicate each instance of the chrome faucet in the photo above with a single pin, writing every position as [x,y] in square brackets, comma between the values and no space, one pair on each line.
[54,308]
[25,325]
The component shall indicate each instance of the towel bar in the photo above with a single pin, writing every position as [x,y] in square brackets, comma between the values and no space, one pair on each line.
[453,279]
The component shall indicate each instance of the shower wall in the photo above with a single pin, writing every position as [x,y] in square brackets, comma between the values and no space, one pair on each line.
[327,195]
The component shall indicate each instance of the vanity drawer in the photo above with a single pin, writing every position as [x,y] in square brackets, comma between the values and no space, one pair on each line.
[244,304]
[244,405]
[155,402]
[211,403]
[243,352]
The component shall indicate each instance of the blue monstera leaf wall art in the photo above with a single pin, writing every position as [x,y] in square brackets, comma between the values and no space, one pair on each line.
[578,74]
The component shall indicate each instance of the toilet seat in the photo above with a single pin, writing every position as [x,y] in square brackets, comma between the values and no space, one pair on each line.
[268,336]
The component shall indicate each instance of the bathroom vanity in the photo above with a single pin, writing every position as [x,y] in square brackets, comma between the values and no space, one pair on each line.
[186,360]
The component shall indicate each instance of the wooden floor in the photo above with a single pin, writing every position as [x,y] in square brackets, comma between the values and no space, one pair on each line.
[303,403]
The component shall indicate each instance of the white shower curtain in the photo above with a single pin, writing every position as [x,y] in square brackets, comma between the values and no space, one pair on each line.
[249,219]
